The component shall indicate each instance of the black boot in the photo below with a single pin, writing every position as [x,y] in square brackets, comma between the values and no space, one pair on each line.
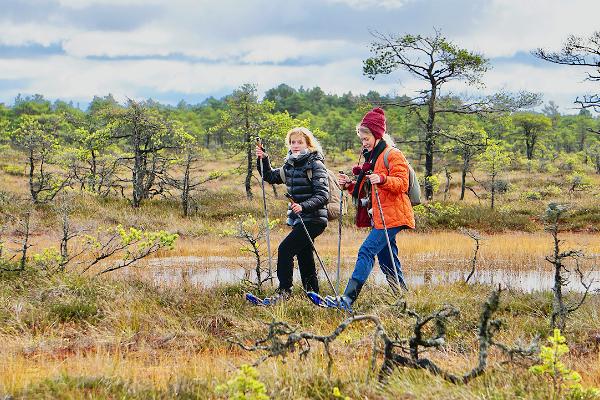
[353,288]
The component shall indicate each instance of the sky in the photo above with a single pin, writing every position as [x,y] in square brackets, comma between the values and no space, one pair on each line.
[192,49]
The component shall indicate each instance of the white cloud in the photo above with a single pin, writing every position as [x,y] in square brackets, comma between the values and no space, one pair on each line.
[30,33]
[508,26]
[79,4]
[160,42]
[72,78]
[207,30]
[364,4]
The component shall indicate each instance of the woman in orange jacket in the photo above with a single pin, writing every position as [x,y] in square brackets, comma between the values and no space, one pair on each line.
[392,182]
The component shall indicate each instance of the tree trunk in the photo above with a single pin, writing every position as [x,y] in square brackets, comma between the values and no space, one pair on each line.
[447,188]
[34,193]
[530,140]
[430,142]
[559,312]
[185,189]
[463,174]
[493,190]
[94,174]
[138,171]
[249,156]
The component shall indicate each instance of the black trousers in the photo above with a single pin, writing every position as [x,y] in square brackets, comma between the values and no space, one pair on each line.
[296,244]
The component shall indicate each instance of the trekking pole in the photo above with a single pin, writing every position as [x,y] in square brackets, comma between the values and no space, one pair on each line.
[289,196]
[387,238]
[339,259]
[267,228]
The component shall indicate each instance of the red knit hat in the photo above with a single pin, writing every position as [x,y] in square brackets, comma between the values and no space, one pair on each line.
[375,121]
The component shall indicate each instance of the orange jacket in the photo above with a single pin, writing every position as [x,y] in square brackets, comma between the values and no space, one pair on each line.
[392,190]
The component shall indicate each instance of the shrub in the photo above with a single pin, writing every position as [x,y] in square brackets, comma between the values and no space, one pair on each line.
[13,170]
[559,374]
[551,190]
[531,195]
[73,310]
[245,386]
[437,214]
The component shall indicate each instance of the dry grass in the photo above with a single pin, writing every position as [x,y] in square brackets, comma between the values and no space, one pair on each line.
[150,338]
[141,339]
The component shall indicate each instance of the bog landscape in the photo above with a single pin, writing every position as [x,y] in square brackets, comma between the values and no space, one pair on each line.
[130,232]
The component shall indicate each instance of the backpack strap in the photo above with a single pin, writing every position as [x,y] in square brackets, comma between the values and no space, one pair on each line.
[282,174]
[411,171]
[309,171]
[386,161]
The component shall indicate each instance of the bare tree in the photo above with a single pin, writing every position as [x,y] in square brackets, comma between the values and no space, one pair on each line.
[188,184]
[36,135]
[476,236]
[251,233]
[580,52]
[69,232]
[147,135]
[282,340]
[560,308]
[25,232]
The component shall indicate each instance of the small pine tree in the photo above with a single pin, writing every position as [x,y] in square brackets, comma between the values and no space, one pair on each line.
[562,377]
[245,386]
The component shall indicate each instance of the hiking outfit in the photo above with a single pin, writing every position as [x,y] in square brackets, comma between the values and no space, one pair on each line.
[395,204]
[312,194]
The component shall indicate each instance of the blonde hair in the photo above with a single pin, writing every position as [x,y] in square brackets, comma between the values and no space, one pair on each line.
[364,129]
[311,141]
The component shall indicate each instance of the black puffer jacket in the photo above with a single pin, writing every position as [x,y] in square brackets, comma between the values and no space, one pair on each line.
[311,194]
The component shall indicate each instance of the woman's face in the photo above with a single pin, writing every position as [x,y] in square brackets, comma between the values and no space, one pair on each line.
[367,140]
[297,143]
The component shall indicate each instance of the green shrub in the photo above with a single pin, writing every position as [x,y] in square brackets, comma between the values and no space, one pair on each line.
[531,195]
[14,170]
[245,386]
[73,310]
[436,214]
[558,373]
[551,191]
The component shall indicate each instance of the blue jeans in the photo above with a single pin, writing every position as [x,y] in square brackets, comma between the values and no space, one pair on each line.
[376,245]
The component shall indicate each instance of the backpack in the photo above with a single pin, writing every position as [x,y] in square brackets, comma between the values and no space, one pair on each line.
[335,191]
[414,190]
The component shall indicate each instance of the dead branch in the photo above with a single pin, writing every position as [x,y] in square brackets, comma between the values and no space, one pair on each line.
[282,339]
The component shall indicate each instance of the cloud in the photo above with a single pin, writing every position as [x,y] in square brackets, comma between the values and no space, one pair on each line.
[73,78]
[81,4]
[21,34]
[365,4]
[74,49]
[505,27]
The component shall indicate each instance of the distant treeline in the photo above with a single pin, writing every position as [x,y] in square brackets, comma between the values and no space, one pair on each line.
[143,141]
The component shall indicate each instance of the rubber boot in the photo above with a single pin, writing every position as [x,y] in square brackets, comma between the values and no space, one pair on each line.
[352,291]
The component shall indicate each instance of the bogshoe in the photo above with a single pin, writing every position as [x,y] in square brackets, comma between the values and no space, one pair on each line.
[280,296]
[341,302]
[253,299]
[316,299]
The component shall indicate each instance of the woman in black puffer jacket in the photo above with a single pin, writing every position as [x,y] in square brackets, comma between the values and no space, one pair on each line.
[310,201]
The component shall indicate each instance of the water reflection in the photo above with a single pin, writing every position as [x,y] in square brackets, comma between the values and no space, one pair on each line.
[212,271]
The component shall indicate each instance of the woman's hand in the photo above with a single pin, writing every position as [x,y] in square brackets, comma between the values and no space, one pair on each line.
[343,180]
[374,178]
[297,208]
[260,153]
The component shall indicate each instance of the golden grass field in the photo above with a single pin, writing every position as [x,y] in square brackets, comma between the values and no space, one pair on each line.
[128,336]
